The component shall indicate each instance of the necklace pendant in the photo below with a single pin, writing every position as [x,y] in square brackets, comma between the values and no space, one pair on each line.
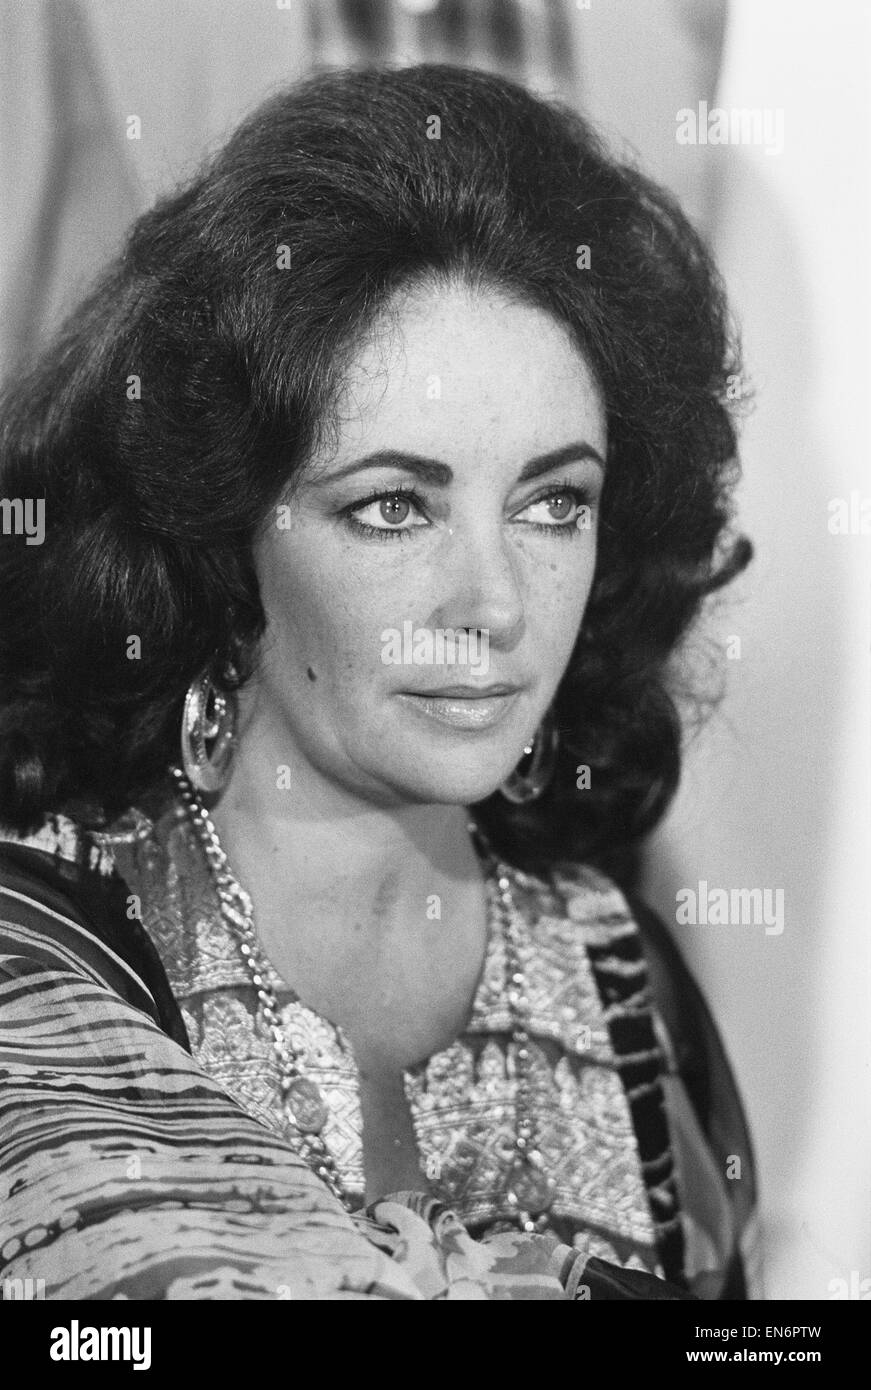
[307,1105]
[529,1189]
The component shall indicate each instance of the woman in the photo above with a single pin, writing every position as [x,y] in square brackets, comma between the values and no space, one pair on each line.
[382,476]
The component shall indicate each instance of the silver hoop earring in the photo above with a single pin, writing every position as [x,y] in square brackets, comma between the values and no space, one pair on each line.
[209,717]
[526,783]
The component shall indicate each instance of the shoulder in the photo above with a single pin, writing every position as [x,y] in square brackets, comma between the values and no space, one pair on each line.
[576,895]
[64,907]
[584,962]
[582,907]
[578,917]
[40,880]
[574,910]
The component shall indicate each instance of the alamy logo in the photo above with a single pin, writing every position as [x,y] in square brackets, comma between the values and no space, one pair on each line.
[735,907]
[441,646]
[75,1343]
[18,518]
[740,125]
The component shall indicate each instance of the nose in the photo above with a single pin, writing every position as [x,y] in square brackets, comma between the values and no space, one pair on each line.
[483,585]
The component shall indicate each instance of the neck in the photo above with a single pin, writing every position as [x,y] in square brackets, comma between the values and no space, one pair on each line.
[346,894]
[327,842]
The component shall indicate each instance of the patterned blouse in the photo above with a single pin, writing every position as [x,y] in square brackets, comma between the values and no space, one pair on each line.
[637,1158]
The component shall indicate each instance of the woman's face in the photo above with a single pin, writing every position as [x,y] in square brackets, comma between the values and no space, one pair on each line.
[425,586]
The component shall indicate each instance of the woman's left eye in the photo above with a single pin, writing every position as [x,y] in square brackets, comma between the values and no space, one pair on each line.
[559,509]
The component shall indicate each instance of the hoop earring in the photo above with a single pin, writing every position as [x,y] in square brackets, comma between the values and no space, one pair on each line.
[209,714]
[522,786]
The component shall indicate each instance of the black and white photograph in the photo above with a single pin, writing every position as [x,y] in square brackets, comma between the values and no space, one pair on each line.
[435,664]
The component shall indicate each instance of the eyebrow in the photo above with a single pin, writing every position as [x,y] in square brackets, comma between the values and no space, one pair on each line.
[439,474]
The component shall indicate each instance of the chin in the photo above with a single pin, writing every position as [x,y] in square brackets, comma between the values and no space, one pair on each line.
[453,782]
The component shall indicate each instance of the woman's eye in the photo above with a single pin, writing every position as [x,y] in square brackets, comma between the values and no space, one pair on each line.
[388,513]
[558,509]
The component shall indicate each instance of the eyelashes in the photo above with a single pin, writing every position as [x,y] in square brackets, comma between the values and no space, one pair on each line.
[579,497]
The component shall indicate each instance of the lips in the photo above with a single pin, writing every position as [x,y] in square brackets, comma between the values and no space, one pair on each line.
[463,707]
[465,692]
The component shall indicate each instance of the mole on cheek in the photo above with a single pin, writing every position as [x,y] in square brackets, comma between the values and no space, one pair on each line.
[310,673]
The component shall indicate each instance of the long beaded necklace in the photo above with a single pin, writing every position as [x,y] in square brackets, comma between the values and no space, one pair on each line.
[528,1191]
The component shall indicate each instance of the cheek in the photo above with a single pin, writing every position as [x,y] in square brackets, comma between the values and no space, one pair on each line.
[326,614]
[561,573]
[558,588]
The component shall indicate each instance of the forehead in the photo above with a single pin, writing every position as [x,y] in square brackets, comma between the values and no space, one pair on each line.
[475,371]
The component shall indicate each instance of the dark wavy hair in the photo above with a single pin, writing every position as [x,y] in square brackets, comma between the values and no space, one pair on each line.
[152,504]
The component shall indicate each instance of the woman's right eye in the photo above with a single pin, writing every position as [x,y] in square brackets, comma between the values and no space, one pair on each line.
[387,512]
